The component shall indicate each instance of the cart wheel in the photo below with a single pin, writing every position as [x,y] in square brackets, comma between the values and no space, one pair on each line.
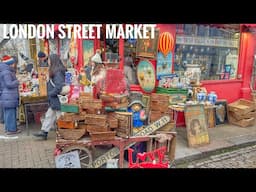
[84,155]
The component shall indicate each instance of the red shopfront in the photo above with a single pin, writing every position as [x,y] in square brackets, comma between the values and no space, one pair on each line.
[229,89]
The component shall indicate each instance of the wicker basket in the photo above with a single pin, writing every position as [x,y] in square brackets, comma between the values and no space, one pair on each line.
[71,134]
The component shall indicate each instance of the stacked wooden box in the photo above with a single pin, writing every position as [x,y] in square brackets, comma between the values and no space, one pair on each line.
[115,101]
[159,107]
[242,113]
[125,124]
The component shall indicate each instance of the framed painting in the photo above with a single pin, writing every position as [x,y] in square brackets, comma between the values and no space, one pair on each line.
[88,50]
[146,102]
[221,112]
[164,64]
[146,76]
[196,125]
[147,47]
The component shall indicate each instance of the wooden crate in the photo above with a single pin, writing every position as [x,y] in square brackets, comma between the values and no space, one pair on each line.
[159,97]
[66,124]
[92,119]
[161,106]
[71,134]
[242,106]
[92,104]
[238,116]
[101,136]
[242,122]
[125,122]
[96,128]
[112,121]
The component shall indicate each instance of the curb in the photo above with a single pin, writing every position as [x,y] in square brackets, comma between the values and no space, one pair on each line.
[206,154]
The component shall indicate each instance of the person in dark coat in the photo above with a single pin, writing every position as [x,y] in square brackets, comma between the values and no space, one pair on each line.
[10,94]
[57,75]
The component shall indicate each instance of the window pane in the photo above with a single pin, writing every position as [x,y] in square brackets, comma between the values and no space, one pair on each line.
[215,50]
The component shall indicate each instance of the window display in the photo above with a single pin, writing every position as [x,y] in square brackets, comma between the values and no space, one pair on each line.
[210,48]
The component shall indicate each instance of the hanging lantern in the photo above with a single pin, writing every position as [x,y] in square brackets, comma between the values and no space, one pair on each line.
[166,43]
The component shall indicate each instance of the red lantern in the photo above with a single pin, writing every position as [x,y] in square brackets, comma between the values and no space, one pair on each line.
[166,43]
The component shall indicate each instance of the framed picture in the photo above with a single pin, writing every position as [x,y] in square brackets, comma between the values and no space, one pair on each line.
[196,125]
[88,50]
[147,47]
[146,76]
[221,112]
[146,102]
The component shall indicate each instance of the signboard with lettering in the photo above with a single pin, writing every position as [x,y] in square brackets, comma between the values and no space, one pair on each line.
[68,160]
[196,125]
[206,41]
[115,151]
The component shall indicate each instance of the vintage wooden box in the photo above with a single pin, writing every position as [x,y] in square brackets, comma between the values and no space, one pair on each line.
[242,122]
[176,95]
[238,116]
[112,121]
[92,119]
[91,104]
[66,124]
[101,136]
[242,106]
[72,108]
[161,106]
[96,128]
[71,134]
[159,97]
[125,122]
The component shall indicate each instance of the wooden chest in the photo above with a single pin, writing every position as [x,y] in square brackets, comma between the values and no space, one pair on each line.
[96,128]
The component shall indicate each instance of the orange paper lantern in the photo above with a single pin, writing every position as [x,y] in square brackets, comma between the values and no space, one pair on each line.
[166,43]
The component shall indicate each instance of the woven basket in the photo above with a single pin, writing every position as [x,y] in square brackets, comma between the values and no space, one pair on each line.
[71,134]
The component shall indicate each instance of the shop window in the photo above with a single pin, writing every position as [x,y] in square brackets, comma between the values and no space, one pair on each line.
[213,49]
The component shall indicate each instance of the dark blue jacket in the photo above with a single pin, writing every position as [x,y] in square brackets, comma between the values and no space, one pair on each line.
[9,85]
[53,92]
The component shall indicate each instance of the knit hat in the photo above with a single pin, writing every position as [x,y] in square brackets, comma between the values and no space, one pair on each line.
[96,58]
[8,60]
[135,98]
[41,54]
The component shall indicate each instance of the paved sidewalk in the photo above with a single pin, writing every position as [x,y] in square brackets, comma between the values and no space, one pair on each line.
[22,151]
[222,137]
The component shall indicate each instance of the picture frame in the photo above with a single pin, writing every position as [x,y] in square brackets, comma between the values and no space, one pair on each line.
[196,125]
[146,101]
[221,112]
[147,47]
[88,50]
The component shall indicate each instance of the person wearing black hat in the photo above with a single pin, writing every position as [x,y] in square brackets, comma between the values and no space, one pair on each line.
[42,59]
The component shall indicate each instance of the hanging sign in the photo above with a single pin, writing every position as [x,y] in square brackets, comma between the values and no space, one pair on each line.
[164,64]
[146,75]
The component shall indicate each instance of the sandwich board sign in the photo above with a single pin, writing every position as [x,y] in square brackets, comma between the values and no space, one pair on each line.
[68,160]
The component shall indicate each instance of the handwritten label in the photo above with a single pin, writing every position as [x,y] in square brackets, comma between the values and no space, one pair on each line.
[68,160]
[146,131]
